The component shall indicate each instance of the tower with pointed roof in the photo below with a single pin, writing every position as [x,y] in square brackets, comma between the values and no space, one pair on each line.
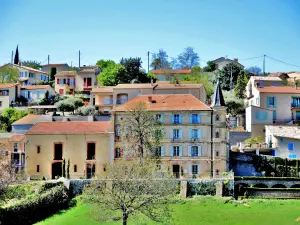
[219,133]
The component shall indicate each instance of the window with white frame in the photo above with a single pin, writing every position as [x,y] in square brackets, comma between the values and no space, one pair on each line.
[194,169]
[176,134]
[194,133]
[176,151]
[195,151]
[16,147]
[176,118]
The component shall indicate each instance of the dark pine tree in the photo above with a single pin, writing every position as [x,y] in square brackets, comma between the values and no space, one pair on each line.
[16,60]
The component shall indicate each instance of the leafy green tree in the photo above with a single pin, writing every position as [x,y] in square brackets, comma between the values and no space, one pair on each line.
[46,100]
[134,71]
[86,110]
[8,74]
[32,64]
[160,60]
[110,76]
[255,70]
[211,66]
[69,104]
[9,116]
[188,58]
[230,71]
[103,64]
[241,84]
[127,190]
[196,69]
[234,108]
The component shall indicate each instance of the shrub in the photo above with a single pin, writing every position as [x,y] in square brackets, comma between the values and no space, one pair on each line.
[37,208]
[47,186]
[88,110]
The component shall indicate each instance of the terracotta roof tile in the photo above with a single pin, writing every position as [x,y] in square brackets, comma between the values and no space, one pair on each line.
[66,73]
[157,86]
[17,138]
[7,85]
[33,87]
[26,119]
[168,102]
[78,127]
[170,71]
[278,74]
[279,90]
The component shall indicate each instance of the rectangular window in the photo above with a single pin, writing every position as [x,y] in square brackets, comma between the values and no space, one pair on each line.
[91,149]
[176,119]
[38,168]
[118,153]
[176,151]
[290,146]
[89,81]
[271,102]
[16,147]
[194,169]
[38,149]
[158,151]
[176,133]
[195,151]
[292,156]
[75,168]
[194,133]
[58,151]
[195,119]
[0,103]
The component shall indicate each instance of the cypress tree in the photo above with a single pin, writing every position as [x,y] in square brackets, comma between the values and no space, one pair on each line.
[16,59]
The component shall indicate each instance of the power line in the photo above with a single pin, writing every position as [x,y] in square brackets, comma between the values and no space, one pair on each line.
[252,58]
[282,61]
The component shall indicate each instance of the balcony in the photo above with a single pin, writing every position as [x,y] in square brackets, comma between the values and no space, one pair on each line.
[121,101]
[295,105]
[107,102]
[176,122]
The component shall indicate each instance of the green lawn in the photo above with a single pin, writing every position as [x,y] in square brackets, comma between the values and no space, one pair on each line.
[205,210]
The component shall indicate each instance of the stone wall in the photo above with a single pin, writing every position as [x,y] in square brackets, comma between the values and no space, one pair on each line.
[274,192]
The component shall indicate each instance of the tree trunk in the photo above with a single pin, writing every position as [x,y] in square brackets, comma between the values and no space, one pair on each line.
[125,217]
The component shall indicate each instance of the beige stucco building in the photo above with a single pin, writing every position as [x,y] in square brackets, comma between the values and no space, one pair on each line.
[8,95]
[35,93]
[194,140]
[87,146]
[58,67]
[107,98]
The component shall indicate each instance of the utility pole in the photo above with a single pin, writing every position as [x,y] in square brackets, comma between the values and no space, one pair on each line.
[231,78]
[12,57]
[48,59]
[79,60]
[264,65]
[148,60]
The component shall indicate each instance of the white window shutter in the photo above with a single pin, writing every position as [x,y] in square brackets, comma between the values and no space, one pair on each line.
[199,133]
[190,133]
[198,168]
[162,118]
[191,118]
[180,151]
[180,134]
[190,169]
[162,150]
[189,150]
[171,150]
[171,133]
[199,118]
[199,150]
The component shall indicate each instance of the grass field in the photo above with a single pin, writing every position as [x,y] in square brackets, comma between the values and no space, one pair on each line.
[204,211]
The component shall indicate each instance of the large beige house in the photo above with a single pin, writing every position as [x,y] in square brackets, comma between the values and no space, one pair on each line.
[84,80]
[195,135]
[58,67]
[85,147]
[107,98]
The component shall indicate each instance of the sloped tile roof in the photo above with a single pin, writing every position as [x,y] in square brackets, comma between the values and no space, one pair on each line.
[170,71]
[66,73]
[168,102]
[33,87]
[279,90]
[7,85]
[78,127]
[17,138]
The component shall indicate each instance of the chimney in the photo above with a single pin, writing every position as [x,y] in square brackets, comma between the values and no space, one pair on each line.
[150,99]
[236,60]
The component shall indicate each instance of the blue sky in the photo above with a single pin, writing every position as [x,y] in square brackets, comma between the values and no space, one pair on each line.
[111,29]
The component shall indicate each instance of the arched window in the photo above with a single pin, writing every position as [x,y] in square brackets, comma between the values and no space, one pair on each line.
[217,117]
[217,135]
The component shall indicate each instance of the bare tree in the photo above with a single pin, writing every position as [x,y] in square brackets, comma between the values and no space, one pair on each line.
[188,58]
[128,190]
[141,132]
[7,169]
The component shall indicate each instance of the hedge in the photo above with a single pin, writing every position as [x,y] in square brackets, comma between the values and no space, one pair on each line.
[272,189]
[36,208]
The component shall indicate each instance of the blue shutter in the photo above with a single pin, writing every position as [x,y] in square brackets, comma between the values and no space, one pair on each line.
[199,118]
[38,94]
[198,169]
[171,150]
[189,150]
[274,102]
[190,133]
[190,169]
[162,150]
[274,115]
[191,118]
[172,118]
[180,134]
[180,150]
[257,115]
[268,100]
[199,133]
[273,152]
[180,118]
[171,133]
[290,146]
[162,118]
